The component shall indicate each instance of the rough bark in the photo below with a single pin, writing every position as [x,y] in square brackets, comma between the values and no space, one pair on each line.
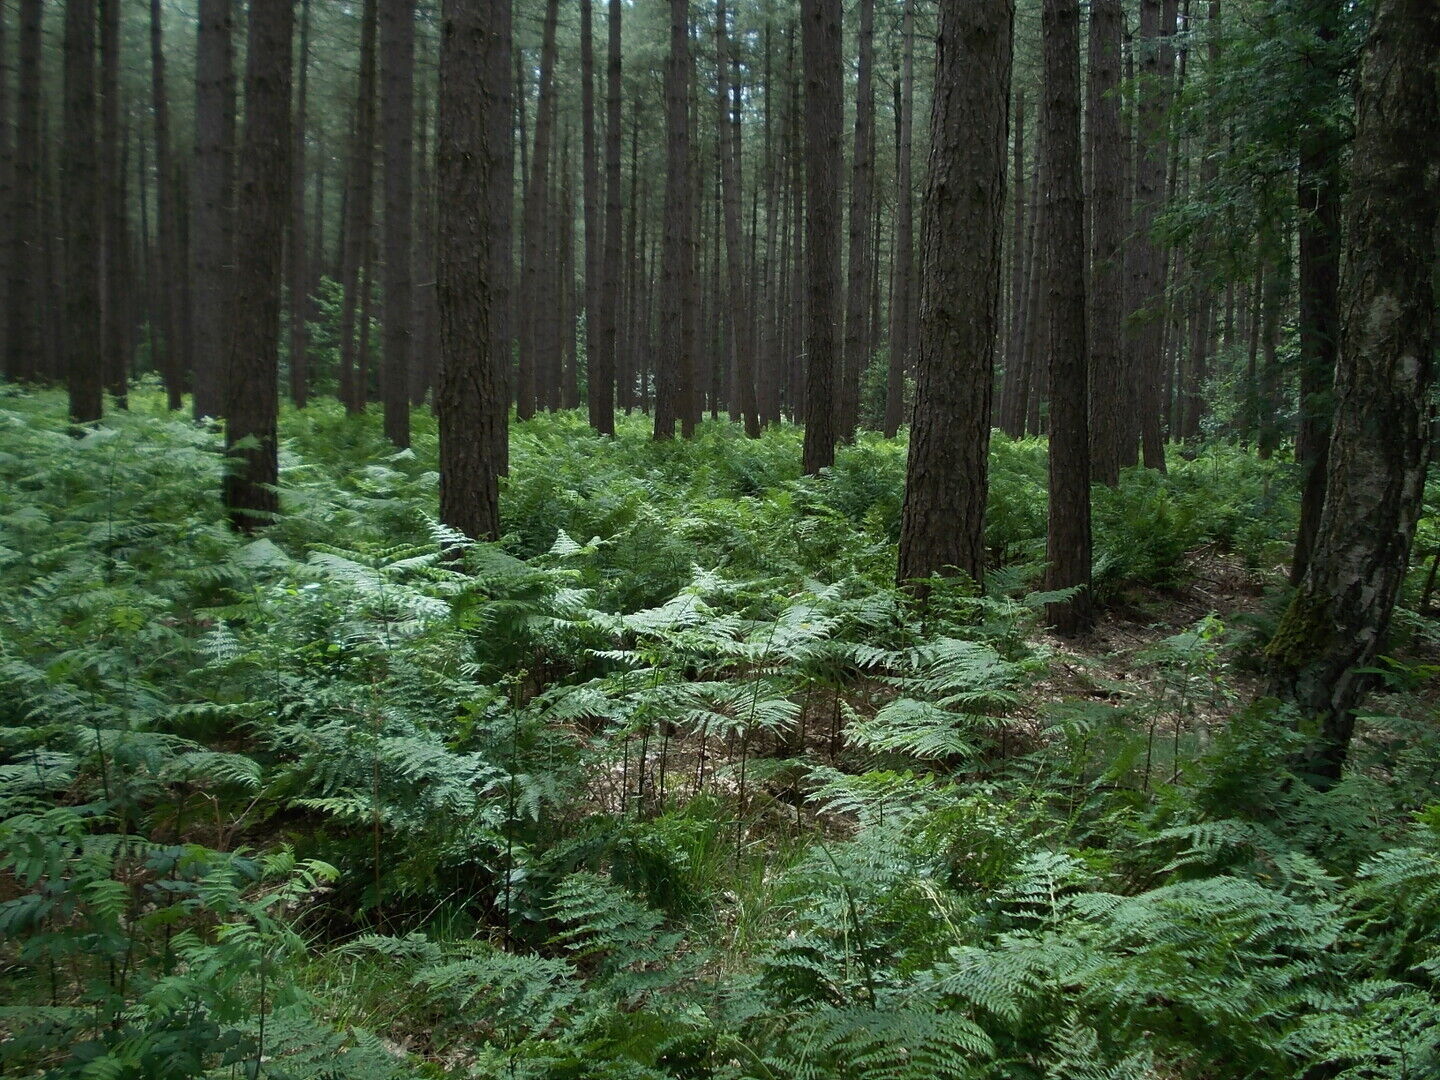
[397,109]
[1336,623]
[22,339]
[603,361]
[359,199]
[298,261]
[1319,273]
[1067,548]
[252,376]
[902,257]
[675,376]
[1146,327]
[499,118]
[212,223]
[114,226]
[741,312]
[1107,373]
[80,182]
[824,118]
[861,255]
[599,383]
[466,163]
[942,526]
[174,363]
[535,329]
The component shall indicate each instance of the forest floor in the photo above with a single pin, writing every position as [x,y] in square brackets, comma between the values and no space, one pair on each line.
[673,783]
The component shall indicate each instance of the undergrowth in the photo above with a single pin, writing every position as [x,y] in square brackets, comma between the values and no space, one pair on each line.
[671,782]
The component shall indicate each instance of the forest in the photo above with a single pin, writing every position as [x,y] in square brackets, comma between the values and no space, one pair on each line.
[719,539]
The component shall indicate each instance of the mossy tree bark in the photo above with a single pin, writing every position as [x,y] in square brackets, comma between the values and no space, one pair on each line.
[1338,618]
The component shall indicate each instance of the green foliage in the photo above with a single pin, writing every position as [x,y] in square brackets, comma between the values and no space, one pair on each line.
[670,783]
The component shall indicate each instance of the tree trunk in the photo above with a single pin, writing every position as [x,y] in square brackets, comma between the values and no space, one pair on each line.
[262,207]
[1147,325]
[24,292]
[675,375]
[84,376]
[114,227]
[943,523]
[600,375]
[397,81]
[360,198]
[1335,626]
[534,329]
[741,311]
[902,258]
[174,362]
[861,255]
[212,226]
[472,74]
[298,262]
[824,117]
[1107,230]
[603,366]
[1319,225]
[1067,549]
[499,187]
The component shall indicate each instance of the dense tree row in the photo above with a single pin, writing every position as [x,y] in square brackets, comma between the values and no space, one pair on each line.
[675,229]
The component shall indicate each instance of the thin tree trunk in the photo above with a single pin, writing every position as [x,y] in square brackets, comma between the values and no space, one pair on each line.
[84,376]
[741,312]
[212,237]
[1107,357]
[599,399]
[114,268]
[1067,549]
[299,268]
[534,329]
[1147,324]
[360,198]
[903,259]
[676,378]
[24,292]
[499,187]
[603,361]
[174,363]
[397,81]
[862,180]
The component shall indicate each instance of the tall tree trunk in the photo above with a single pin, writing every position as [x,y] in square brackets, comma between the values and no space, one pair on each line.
[902,261]
[1319,226]
[24,292]
[534,329]
[741,312]
[298,262]
[473,72]
[675,375]
[603,366]
[174,362]
[824,118]
[360,199]
[1328,640]
[943,522]
[84,376]
[858,269]
[599,399]
[1067,548]
[114,228]
[1018,265]
[424,314]
[252,382]
[1107,357]
[499,188]
[397,81]
[211,234]
[1145,339]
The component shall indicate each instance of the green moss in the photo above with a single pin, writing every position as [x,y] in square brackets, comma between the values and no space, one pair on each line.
[1304,632]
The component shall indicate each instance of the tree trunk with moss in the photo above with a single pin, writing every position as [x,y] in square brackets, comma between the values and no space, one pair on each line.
[1337,621]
